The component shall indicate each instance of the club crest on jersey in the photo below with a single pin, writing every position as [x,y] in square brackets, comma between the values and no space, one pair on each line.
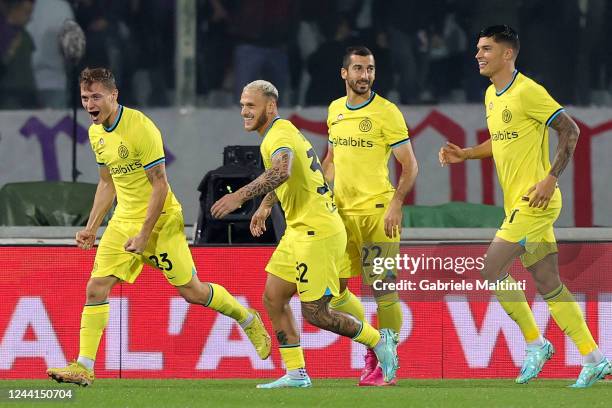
[101,142]
[340,117]
[365,125]
[490,105]
[123,152]
[506,115]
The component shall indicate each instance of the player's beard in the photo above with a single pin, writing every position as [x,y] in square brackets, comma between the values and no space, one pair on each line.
[354,85]
[260,120]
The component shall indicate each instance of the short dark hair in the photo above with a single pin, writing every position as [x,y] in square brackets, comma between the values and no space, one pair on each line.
[102,75]
[502,33]
[355,50]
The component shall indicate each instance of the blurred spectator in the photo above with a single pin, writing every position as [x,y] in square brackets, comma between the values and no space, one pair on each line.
[262,31]
[147,59]
[17,84]
[214,45]
[447,50]
[543,30]
[109,42]
[47,60]
[406,22]
[481,14]
[325,63]
[95,19]
[384,64]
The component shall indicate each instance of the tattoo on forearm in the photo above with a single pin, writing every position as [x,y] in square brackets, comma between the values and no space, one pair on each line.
[270,179]
[270,199]
[281,336]
[568,137]
[318,313]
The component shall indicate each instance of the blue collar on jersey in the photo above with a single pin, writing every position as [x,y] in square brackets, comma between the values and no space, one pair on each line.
[361,105]
[270,126]
[514,75]
[117,119]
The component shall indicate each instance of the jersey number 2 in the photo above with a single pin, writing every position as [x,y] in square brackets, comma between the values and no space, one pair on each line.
[316,166]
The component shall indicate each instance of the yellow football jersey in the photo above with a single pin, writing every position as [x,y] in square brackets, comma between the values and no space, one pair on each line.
[305,197]
[362,138]
[129,147]
[518,117]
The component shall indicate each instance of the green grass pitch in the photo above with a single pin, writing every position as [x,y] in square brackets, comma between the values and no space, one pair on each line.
[110,393]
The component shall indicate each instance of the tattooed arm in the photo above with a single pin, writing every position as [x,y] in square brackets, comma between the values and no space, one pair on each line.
[269,200]
[271,178]
[265,183]
[159,182]
[568,137]
[258,221]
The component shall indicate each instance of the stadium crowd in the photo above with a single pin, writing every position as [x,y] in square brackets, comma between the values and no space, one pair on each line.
[423,50]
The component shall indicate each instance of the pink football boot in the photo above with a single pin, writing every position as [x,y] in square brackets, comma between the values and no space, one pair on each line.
[370,364]
[376,379]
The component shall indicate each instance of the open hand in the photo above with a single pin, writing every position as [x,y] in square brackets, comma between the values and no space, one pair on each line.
[225,205]
[258,221]
[451,153]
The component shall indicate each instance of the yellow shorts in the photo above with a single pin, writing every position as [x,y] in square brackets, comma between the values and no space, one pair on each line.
[167,250]
[366,241]
[311,264]
[533,229]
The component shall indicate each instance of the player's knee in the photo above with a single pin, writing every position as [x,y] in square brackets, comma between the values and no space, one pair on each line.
[546,284]
[489,271]
[190,297]
[198,294]
[97,291]
[274,304]
[268,301]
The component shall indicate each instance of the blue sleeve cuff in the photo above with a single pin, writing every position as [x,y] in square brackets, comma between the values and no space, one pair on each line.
[554,115]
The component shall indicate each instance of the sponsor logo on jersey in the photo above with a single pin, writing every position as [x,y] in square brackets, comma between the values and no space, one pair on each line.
[125,168]
[504,135]
[352,142]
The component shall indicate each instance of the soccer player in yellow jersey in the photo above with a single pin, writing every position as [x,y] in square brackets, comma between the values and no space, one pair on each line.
[307,258]
[146,227]
[364,129]
[519,112]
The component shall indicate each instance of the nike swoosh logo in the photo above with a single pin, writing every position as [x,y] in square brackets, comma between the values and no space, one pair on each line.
[302,291]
